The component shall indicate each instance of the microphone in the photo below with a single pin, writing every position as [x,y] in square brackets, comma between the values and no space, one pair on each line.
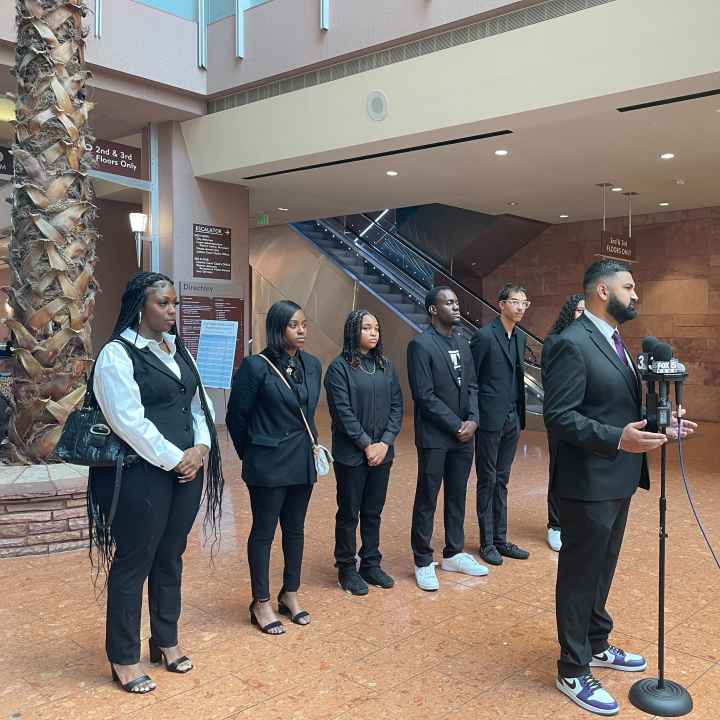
[649,343]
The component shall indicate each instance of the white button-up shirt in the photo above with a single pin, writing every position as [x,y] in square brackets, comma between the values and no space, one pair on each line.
[118,396]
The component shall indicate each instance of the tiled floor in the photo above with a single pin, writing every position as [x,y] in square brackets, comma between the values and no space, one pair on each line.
[480,648]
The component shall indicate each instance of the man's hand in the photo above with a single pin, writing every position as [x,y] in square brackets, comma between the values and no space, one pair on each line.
[688,426]
[466,431]
[375,453]
[634,440]
[192,460]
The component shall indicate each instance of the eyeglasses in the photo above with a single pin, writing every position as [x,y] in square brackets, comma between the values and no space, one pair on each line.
[519,303]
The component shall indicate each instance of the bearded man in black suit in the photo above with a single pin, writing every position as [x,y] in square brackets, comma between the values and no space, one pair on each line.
[592,407]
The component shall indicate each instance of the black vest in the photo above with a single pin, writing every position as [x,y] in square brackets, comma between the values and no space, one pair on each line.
[165,398]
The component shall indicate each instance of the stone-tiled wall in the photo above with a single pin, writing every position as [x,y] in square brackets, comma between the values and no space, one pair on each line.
[678,277]
[34,526]
[42,509]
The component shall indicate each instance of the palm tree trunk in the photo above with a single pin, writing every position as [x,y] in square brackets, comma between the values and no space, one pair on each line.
[52,248]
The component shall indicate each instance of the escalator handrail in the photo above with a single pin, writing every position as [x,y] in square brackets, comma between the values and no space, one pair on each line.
[439,268]
[408,283]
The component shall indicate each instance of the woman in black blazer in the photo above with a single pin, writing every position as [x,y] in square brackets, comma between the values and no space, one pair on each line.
[366,407]
[573,308]
[265,422]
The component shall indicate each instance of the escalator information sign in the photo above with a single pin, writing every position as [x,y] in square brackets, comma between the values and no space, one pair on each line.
[211,252]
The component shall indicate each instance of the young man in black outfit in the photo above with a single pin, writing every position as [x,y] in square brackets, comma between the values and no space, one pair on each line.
[498,350]
[443,385]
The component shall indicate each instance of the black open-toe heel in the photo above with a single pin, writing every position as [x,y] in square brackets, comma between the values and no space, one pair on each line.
[158,656]
[283,609]
[133,684]
[265,628]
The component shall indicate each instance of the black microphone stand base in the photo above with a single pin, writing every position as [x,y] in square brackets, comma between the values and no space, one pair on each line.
[671,700]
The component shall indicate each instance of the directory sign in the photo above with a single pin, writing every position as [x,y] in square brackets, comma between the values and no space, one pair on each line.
[216,352]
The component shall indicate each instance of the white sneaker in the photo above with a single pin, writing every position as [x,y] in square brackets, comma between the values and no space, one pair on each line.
[426,578]
[464,563]
[554,539]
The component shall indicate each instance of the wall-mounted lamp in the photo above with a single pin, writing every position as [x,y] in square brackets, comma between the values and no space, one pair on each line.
[138,225]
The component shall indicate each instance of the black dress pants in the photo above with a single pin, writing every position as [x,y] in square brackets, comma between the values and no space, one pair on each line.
[494,455]
[450,468]
[289,505]
[361,492]
[592,537]
[552,498]
[155,513]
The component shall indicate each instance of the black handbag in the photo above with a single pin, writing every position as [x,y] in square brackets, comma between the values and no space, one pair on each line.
[88,440]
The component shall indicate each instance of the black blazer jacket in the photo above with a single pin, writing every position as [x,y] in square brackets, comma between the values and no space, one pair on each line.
[590,395]
[361,417]
[440,405]
[264,421]
[494,371]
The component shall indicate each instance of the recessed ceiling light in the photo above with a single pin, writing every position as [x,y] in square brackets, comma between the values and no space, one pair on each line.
[392,173]
[502,153]
[666,156]
[663,204]
[513,203]
[616,189]
[679,181]
[283,209]
[564,216]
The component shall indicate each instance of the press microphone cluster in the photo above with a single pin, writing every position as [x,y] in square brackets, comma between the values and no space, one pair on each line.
[658,367]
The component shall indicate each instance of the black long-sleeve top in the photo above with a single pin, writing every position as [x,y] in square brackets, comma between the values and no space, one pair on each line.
[366,406]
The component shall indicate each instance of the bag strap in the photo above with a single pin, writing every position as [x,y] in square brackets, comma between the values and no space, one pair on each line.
[119,463]
[287,385]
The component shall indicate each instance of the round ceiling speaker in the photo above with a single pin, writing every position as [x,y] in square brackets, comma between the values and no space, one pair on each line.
[377,105]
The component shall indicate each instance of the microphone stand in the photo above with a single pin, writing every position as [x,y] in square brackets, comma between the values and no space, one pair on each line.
[658,696]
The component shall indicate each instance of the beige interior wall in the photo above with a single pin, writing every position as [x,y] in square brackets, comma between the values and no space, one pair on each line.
[285,266]
[137,40]
[185,200]
[475,87]
[298,41]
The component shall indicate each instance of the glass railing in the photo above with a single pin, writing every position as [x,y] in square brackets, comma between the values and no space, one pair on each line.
[378,232]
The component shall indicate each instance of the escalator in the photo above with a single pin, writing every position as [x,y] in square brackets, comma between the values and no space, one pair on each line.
[371,250]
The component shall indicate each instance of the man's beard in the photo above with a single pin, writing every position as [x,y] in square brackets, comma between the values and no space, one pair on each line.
[621,313]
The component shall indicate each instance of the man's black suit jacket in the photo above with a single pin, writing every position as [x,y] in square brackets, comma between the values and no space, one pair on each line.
[440,405]
[494,370]
[590,395]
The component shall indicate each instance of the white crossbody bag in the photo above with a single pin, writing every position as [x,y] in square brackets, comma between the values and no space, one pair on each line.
[322,456]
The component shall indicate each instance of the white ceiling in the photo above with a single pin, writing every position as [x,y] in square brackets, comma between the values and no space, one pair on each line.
[557,156]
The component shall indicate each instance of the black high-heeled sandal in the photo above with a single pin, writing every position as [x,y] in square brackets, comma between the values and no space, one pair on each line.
[283,609]
[157,655]
[133,684]
[265,628]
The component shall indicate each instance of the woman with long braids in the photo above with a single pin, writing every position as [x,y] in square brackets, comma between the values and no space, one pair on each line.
[149,389]
[366,407]
[270,394]
[573,308]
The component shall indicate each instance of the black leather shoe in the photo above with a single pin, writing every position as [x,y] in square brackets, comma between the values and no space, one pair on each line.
[377,576]
[490,554]
[513,551]
[350,581]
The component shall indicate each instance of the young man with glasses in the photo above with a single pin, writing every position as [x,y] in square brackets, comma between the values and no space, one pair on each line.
[498,350]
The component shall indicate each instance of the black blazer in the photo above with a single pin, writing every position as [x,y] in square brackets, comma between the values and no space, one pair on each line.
[440,405]
[264,421]
[364,409]
[494,371]
[589,398]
